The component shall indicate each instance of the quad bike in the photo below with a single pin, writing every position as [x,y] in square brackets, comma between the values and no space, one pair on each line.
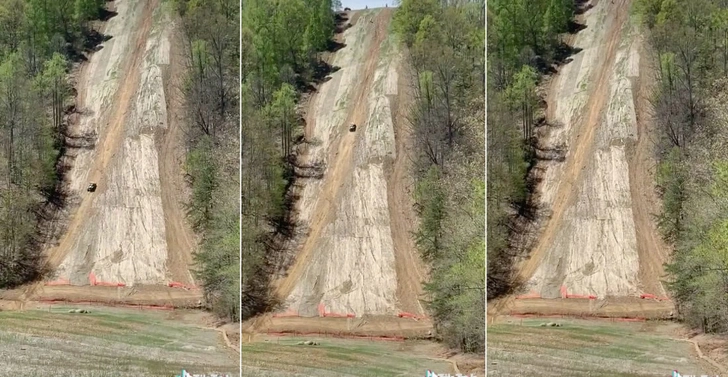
[352,128]
[91,187]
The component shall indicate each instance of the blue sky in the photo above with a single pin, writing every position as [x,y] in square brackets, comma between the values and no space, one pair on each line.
[359,4]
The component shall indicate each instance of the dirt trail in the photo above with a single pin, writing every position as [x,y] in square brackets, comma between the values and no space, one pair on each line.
[600,239]
[576,161]
[356,257]
[180,237]
[653,252]
[109,143]
[409,267]
[132,229]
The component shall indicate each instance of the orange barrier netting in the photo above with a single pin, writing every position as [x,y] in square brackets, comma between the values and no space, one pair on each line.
[565,294]
[288,313]
[58,282]
[323,313]
[590,297]
[176,284]
[107,284]
[527,296]
[338,315]
[92,280]
[647,295]
[410,315]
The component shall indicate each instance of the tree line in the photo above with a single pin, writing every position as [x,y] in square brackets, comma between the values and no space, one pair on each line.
[282,42]
[689,40]
[39,40]
[211,92]
[525,41]
[446,42]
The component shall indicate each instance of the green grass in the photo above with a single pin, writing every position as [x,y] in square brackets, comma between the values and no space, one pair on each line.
[107,342]
[587,348]
[336,357]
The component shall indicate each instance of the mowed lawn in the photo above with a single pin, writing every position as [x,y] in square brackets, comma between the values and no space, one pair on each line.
[108,342]
[283,356]
[588,348]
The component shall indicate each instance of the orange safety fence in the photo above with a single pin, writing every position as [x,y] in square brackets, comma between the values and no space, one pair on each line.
[108,284]
[287,314]
[410,315]
[176,284]
[590,297]
[527,296]
[92,280]
[58,282]
[340,315]
[565,294]
[323,313]
[651,296]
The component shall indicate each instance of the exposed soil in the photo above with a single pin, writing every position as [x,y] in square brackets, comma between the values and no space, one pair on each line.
[653,252]
[356,256]
[612,307]
[180,237]
[366,326]
[600,238]
[153,296]
[132,231]
[400,190]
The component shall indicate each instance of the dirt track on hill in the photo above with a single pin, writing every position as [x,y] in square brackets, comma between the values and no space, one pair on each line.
[600,238]
[132,230]
[356,256]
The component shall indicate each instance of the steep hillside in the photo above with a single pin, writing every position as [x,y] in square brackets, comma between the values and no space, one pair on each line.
[597,237]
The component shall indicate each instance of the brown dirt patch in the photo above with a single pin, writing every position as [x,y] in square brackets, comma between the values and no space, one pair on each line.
[180,237]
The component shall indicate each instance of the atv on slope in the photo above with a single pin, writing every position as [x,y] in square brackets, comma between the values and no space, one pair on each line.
[352,128]
[91,187]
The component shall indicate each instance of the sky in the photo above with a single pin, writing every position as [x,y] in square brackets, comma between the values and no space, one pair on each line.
[359,4]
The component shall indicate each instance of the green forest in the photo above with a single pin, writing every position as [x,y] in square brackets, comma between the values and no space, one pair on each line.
[446,56]
[211,30]
[689,39]
[525,38]
[39,40]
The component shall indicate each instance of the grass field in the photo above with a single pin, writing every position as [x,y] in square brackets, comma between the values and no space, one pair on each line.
[282,356]
[588,348]
[108,342]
